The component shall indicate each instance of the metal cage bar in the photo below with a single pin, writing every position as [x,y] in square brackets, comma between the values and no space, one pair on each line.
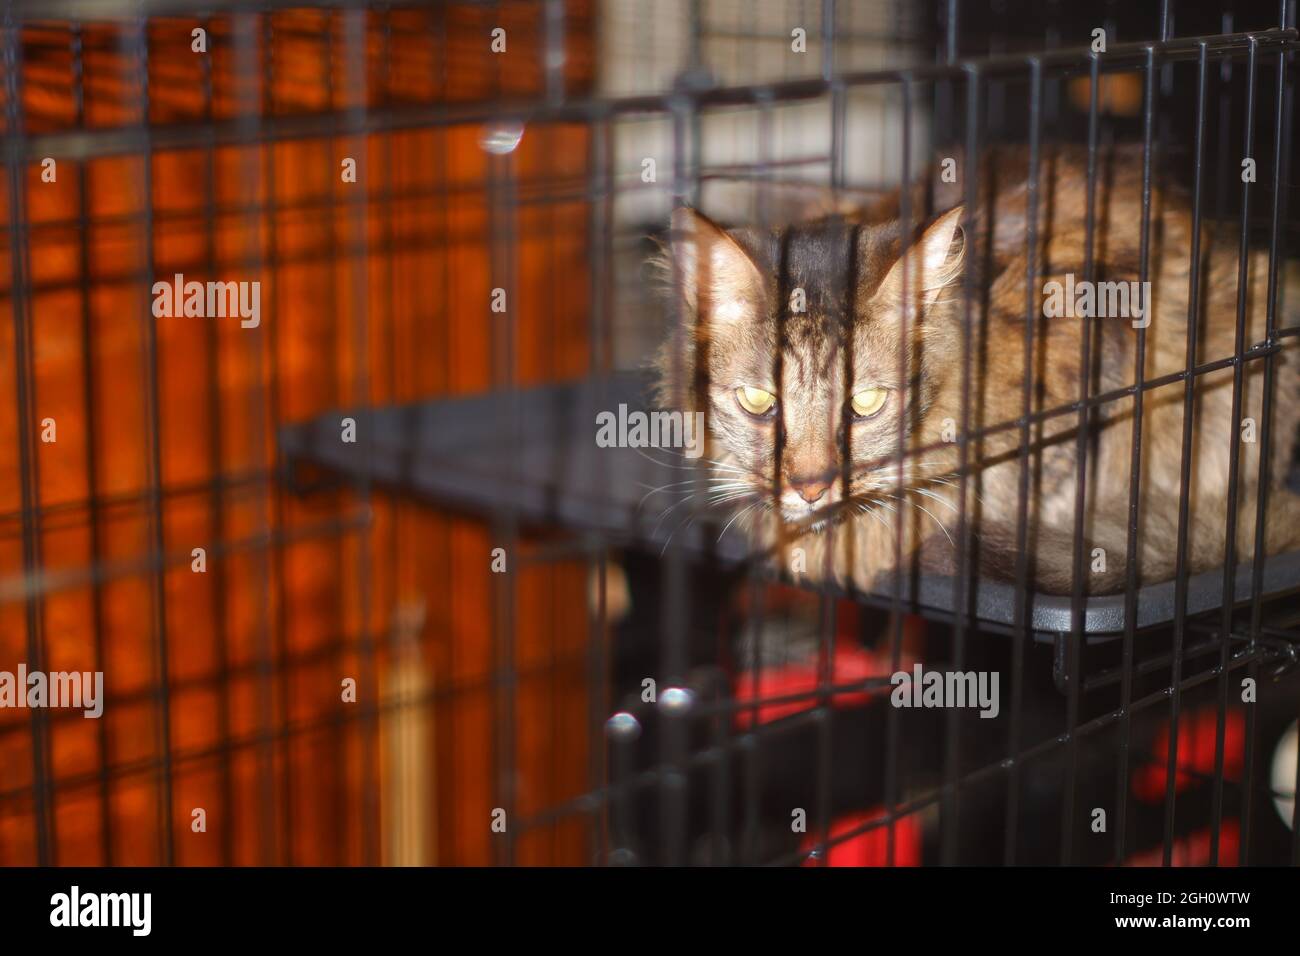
[708,753]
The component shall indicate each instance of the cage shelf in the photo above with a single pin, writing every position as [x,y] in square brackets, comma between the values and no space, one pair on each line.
[531,453]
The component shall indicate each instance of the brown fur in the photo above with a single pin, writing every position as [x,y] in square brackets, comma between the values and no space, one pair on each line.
[737,328]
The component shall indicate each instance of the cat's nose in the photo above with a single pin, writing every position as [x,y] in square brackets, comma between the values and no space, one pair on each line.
[812,489]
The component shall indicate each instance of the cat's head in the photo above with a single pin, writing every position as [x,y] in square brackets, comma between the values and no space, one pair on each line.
[797,346]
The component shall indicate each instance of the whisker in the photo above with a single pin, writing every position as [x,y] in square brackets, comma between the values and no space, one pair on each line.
[868,509]
[664,464]
[696,464]
[731,496]
[742,511]
[719,485]
[930,494]
[667,511]
[936,521]
[663,489]
[686,524]
[724,466]
[887,504]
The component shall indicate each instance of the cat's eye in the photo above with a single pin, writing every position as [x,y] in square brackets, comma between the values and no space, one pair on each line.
[868,401]
[756,401]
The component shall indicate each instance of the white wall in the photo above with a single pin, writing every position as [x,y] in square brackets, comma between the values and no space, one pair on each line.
[645,46]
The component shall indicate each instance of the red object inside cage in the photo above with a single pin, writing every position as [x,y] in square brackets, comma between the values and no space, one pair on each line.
[1196,745]
[870,847]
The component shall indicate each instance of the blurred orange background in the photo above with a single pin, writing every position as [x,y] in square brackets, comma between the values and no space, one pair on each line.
[256,647]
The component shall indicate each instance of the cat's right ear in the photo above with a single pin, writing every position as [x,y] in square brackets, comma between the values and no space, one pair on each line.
[716,277]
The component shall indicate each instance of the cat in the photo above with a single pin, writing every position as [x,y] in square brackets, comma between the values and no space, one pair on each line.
[796,345]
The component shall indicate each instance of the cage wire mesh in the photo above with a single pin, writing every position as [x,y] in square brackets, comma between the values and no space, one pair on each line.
[361,583]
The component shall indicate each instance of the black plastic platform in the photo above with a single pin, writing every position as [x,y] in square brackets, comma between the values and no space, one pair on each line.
[533,452]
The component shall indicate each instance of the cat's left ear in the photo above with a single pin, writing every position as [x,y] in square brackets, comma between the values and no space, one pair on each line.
[933,262]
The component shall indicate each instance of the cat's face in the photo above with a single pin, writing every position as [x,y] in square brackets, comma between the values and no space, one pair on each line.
[796,347]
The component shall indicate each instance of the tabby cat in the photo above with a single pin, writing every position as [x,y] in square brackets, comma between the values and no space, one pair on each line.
[831,369]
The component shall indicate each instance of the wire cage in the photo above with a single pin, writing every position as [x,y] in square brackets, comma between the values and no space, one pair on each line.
[314,308]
